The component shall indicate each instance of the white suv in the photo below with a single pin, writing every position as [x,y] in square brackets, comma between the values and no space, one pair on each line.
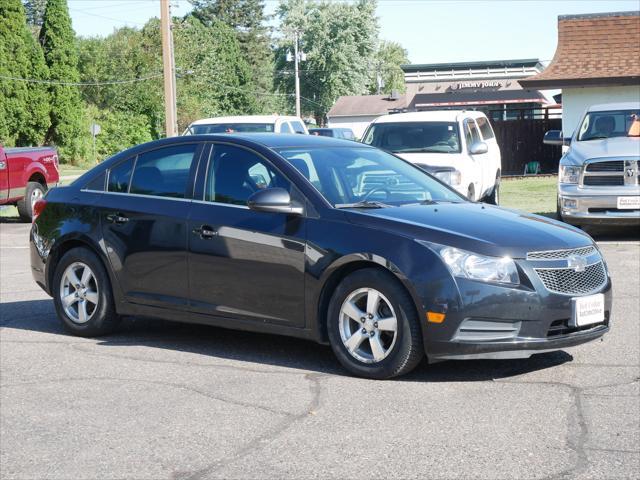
[457,146]
[248,123]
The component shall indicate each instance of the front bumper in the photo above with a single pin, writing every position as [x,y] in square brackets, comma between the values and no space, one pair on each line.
[498,322]
[596,205]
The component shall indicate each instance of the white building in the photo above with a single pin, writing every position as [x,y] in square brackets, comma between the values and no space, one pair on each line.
[597,60]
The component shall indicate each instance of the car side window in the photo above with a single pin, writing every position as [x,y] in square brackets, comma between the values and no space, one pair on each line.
[164,172]
[471,132]
[234,174]
[284,127]
[97,184]
[298,127]
[119,176]
[485,128]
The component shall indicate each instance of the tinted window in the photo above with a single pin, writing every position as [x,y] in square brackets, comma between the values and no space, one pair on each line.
[119,176]
[409,137]
[298,127]
[485,128]
[230,128]
[234,174]
[97,183]
[284,128]
[163,172]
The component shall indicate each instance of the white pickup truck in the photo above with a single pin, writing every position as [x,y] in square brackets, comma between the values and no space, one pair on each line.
[456,146]
[598,175]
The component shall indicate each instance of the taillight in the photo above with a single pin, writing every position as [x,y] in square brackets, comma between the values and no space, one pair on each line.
[38,207]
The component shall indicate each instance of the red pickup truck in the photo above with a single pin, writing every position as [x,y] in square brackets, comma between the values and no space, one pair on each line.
[25,175]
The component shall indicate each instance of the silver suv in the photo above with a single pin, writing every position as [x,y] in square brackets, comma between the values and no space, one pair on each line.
[598,176]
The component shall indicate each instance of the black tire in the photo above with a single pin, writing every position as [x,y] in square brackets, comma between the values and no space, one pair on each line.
[494,196]
[104,318]
[407,351]
[25,209]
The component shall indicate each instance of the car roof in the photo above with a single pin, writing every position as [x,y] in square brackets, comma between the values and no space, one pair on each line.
[614,106]
[429,116]
[244,119]
[268,140]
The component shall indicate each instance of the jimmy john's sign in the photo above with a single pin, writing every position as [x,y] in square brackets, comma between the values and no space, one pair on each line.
[478,84]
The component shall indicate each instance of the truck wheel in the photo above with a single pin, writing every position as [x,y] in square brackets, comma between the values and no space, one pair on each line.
[34,192]
[494,196]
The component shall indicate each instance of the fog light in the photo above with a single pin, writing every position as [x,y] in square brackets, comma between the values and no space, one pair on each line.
[434,317]
[569,203]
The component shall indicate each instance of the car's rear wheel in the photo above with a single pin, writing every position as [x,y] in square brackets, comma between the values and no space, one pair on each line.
[82,294]
[33,192]
[373,326]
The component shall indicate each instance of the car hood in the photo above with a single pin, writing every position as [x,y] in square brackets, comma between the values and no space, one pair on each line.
[606,147]
[433,159]
[476,227]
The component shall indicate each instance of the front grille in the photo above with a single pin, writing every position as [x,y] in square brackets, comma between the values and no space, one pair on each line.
[567,281]
[560,254]
[611,166]
[604,181]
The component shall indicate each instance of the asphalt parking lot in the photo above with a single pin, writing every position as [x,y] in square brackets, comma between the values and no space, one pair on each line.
[165,400]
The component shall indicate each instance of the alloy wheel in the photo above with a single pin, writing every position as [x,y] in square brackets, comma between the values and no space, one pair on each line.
[368,325]
[35,196]
[79,292]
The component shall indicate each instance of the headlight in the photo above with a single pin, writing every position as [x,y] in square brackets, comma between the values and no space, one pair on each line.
[477,267]
[450,177]
[569,174]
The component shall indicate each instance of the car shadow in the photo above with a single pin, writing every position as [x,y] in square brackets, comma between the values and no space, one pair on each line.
[257,348]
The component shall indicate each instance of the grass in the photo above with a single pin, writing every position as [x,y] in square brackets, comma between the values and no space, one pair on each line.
[534,195]
[69,170]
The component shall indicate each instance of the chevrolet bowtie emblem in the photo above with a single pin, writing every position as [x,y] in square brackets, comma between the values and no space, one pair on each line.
[577,263]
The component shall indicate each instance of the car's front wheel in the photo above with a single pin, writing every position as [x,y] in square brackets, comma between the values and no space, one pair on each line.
[82,294]
[373,326]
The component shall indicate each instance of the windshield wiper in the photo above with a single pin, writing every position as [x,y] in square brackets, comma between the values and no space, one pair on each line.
[364,204]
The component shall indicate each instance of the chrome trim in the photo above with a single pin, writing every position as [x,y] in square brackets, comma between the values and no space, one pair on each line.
[561,253]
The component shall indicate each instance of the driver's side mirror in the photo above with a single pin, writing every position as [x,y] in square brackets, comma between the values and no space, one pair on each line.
[478,148]
[554,137]
[274,200]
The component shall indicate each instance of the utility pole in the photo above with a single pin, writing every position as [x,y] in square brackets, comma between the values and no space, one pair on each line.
[297,59]
[169,70]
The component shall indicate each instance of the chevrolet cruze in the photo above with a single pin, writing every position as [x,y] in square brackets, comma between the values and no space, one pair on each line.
[316,238]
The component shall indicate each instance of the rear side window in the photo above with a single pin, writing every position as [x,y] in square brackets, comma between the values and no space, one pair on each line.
[164,172]
[97,184]
[284,128]
[485,128]
[119,177]
[298,127]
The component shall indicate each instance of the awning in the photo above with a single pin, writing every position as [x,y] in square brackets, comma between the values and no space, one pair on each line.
[477,97]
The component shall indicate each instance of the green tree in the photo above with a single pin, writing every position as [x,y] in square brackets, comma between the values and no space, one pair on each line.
[247,18]
[339,40]
[58,42]
[23,104]
[388,75]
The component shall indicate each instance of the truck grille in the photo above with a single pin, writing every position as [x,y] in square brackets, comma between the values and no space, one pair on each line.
[611,173]
[560,254]
[567,281]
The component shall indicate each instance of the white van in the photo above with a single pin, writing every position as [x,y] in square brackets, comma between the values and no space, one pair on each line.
[248,123]
[457,146]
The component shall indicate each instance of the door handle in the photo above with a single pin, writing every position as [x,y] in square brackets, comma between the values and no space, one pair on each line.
[205,232]
[117,218]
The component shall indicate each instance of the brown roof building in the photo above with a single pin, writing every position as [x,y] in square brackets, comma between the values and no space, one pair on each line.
[593,50]
[597,61]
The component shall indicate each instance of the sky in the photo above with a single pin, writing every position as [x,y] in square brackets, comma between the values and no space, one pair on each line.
[432,31]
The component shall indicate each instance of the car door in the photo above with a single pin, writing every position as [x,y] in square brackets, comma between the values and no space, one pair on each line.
[144,224]
[478,162]
[244,264]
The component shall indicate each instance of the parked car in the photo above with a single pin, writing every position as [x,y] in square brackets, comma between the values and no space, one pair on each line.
[248,124]
[179,229]
[25,175]
[335,132]
[458,147]
[598,175]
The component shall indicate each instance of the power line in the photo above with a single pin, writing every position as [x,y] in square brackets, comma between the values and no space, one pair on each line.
[81,84]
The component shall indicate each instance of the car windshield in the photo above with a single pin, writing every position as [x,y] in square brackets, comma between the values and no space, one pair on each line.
[408,137]
[230,128]
[607,124]
[366,177]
